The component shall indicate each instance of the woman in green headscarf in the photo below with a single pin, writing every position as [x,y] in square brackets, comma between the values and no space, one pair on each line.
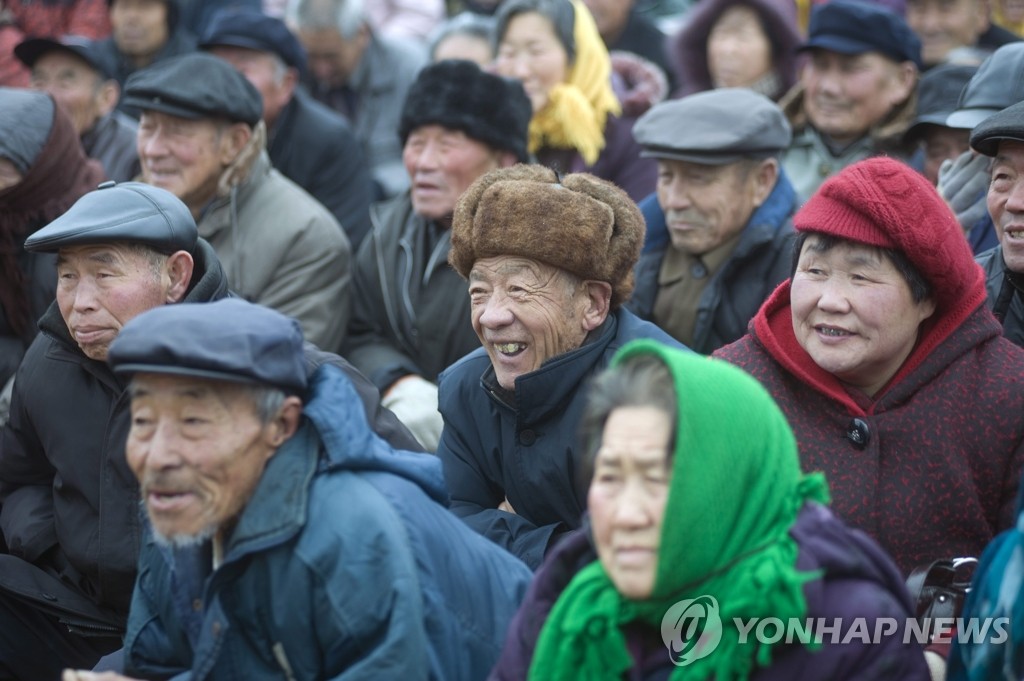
[706,544]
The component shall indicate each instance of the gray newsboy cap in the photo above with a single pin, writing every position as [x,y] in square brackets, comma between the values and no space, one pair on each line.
[1008,124]
[714,127]
[130,211]
[228,340]
[195,85]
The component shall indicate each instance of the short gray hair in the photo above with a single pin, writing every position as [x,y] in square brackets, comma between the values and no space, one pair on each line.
[464,23]
[266,400]
[348,16]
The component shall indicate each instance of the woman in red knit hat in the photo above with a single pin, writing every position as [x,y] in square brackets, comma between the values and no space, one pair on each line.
[892,372]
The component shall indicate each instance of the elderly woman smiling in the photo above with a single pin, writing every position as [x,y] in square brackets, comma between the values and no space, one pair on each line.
[892,372]
[685,507]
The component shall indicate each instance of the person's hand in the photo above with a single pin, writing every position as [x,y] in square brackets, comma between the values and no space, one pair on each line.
[413,400]
[506,506]
[963,183]
[82,675]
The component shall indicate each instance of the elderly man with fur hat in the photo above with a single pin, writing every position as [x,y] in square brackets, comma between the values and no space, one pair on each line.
[202,137]
[410,317]
[549,263]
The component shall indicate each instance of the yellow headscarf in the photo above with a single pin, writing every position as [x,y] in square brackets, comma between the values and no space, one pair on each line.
[577,109]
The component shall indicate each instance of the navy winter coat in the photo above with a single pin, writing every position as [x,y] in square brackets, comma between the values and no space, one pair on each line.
[345,564]
[524,447]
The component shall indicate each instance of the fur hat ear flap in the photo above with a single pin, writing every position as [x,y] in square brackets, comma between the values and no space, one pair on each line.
[581,224]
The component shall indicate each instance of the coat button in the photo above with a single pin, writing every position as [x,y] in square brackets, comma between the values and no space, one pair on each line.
[197,605]
[527,437]
[215,628]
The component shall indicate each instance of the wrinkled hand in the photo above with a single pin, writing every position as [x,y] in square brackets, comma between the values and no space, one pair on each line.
[413,400]
[506,506]
[81,675]
[963,183]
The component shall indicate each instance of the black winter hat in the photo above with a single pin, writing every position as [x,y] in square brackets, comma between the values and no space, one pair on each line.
[195,85]
[458,95]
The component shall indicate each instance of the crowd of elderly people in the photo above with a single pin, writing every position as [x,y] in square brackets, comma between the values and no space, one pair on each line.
[538,345]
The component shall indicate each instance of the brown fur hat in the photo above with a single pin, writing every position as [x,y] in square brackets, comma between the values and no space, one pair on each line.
[581,224]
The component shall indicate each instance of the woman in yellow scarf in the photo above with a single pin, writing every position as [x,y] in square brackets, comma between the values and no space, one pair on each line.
[553,48]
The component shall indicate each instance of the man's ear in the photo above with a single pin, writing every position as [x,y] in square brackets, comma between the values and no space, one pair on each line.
[107,96]
[179,275]
[765,176]
[234,139]
[285,422]
[904,83]
[598,303]
[506,159]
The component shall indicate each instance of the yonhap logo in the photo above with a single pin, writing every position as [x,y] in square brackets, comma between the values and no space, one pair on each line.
[691,629]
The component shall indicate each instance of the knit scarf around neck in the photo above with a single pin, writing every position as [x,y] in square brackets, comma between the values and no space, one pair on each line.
[60,175]
[577,109]
[734,494]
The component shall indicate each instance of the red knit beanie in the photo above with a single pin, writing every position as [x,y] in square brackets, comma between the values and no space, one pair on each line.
[883,202]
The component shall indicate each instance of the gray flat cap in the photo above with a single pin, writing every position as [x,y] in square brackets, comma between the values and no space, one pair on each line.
[228,340]
[714,127]
[130,211]
[195,85]
[1008,124]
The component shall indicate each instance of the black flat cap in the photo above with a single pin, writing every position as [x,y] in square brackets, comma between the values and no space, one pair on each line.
[254,30]
[998,83]
[130,211]
[29,51]
[228,340]
[714,127]
[855,27]
[938,92]
[195,85]
[1008,124]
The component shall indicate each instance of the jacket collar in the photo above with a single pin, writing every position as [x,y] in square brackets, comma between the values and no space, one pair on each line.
[548,389]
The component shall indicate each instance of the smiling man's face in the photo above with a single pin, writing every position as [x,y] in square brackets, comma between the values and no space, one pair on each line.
[198,448]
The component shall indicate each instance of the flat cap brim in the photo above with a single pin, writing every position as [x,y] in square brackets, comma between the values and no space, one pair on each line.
[968,119]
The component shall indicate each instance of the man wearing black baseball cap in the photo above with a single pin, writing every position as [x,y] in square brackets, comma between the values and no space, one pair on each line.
[71,69]
[310,144]
[201,137]
[856,95]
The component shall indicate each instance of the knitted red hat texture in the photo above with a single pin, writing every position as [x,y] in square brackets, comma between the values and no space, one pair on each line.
[883,202]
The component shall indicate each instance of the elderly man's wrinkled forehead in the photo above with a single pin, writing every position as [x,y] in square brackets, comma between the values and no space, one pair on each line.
[194,390]
[526,270]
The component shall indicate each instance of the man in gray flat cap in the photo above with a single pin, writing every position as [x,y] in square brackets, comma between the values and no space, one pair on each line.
[284,538]
[201,137]
[728,209]
[69,501]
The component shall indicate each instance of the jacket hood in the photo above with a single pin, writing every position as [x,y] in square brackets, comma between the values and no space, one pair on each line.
[350,444]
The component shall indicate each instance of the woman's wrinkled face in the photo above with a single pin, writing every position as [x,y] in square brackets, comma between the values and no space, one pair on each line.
[853,312]
[627,497]
[531,52]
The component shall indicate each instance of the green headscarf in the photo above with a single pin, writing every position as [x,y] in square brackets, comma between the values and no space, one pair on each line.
[735,491]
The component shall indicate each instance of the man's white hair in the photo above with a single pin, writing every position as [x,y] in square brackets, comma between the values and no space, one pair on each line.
[348,16]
